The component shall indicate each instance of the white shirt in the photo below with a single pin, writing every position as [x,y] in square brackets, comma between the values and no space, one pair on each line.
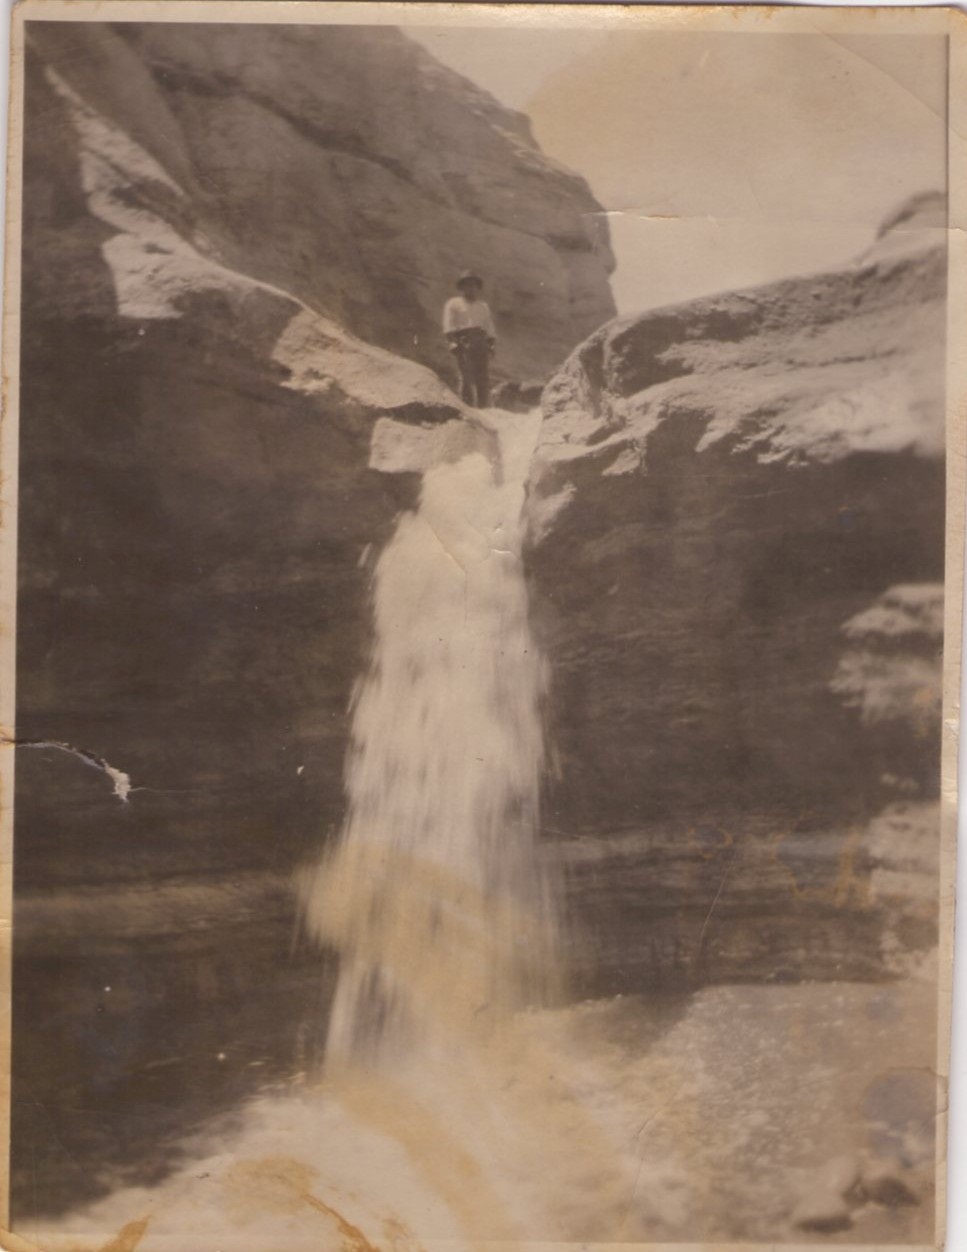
[459,313]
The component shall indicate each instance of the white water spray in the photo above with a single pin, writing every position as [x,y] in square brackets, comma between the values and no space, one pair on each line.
[434,896]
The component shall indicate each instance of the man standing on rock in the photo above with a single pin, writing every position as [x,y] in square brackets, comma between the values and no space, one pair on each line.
[469,326]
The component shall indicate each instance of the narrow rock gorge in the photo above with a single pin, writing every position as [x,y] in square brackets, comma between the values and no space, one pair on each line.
[233,270]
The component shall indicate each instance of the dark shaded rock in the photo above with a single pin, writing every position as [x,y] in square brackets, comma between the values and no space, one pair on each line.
[195,466]
[675,906]
[518,397]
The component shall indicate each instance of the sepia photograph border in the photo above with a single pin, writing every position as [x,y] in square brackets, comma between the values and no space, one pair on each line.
[750,20]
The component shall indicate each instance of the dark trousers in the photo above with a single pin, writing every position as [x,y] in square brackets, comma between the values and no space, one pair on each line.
[473,362]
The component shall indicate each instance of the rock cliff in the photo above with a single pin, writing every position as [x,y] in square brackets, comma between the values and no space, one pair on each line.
[195,441]
[738,518]
[348,167]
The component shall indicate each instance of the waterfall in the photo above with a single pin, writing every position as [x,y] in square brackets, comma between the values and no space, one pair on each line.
[444,1115]
[434,895]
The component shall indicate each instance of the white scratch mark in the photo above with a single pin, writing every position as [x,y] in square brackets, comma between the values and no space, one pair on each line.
[121,780]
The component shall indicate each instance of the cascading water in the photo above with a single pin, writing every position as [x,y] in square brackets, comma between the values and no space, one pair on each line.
[434,897]
[445,1116]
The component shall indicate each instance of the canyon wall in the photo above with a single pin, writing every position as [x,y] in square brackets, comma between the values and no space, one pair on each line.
[738,541]
[212,217]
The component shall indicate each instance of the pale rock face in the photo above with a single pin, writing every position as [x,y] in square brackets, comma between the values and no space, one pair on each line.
[809,370]
[891,669]
[345,165]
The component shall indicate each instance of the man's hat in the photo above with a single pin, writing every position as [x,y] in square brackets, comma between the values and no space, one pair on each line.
[468,276]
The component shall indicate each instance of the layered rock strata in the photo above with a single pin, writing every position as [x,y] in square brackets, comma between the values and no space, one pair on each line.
[738,536]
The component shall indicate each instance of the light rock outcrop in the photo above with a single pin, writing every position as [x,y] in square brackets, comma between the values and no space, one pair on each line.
[738,532]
